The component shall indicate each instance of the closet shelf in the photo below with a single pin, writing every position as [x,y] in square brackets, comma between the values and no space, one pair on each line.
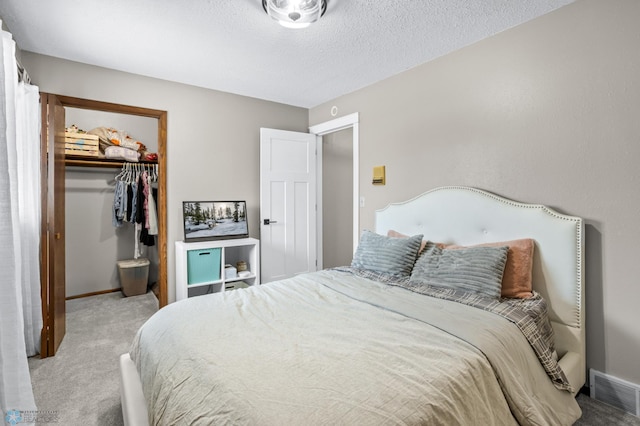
[80,161]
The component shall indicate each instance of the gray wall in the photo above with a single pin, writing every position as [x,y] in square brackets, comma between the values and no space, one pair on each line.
[547,112]
[337,196]
[212,137]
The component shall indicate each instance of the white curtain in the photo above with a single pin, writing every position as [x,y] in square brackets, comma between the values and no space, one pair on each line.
[20,305]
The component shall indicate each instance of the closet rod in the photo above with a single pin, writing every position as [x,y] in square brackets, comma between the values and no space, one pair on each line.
[23,75]
[98,163]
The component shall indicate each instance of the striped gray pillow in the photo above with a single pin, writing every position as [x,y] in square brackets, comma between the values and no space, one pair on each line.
[473,269]
[393,256]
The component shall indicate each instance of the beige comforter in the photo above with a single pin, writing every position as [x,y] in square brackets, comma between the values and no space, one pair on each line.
[330,348]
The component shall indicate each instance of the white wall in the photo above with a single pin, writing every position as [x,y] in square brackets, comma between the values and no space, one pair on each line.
[546,112]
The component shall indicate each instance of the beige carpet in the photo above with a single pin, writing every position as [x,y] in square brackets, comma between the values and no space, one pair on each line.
[81,383]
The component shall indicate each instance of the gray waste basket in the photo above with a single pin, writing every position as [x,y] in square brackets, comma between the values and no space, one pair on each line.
[134,275]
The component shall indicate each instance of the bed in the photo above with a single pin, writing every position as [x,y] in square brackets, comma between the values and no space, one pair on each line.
[357,346]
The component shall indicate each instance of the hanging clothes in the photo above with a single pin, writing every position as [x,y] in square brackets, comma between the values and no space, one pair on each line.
[142,212]
[133,190]
[153,217]
[117,203]
[133,202]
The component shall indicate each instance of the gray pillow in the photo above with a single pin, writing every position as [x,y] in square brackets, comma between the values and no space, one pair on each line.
[394,256]
[473,269]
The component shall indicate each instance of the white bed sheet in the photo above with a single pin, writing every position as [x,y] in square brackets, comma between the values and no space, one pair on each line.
[332,348]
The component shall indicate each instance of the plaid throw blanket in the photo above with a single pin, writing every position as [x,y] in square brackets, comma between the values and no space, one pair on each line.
[529,315]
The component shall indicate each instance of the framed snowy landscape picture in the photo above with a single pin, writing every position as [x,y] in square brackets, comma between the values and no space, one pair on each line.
[214,220]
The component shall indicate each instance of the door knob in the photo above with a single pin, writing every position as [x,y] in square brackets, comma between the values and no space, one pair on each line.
[269,221]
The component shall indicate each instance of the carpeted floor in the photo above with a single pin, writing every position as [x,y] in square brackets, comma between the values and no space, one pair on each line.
[596,413]
[81,383]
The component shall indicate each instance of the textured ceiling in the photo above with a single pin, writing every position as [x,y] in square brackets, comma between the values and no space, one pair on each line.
[233,46]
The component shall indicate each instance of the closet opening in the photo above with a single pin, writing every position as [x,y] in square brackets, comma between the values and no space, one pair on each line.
[94,243]
[80,244]
[337,176]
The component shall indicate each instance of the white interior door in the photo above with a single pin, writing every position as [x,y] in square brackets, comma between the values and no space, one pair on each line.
[287,203]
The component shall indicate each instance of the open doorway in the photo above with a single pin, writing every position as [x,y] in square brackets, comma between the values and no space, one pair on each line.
[312,247]
[53,236]
[337,206]
[93,243]
[338,133]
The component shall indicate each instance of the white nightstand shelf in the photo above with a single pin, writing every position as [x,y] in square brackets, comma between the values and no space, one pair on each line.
[247,278]
[200,266]
[205,283]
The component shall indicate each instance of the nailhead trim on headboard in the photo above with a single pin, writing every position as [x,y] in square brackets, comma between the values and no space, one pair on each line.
[578,306]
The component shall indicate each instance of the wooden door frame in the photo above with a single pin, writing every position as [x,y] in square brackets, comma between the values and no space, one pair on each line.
[52,226]
[161,116]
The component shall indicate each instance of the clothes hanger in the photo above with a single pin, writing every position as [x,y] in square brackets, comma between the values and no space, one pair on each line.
[131,172]
[122,174]
[153,172]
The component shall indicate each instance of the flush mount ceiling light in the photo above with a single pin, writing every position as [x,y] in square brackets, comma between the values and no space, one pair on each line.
[295,13]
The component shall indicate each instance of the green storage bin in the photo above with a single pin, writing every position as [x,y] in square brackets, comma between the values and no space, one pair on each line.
[203,265]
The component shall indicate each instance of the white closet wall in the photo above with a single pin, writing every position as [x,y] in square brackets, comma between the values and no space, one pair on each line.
[93,244]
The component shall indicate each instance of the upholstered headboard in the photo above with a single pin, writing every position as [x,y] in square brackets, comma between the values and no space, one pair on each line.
[468,216]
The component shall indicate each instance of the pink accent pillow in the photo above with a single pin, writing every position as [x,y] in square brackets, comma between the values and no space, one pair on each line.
[517,279]
[395,234]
